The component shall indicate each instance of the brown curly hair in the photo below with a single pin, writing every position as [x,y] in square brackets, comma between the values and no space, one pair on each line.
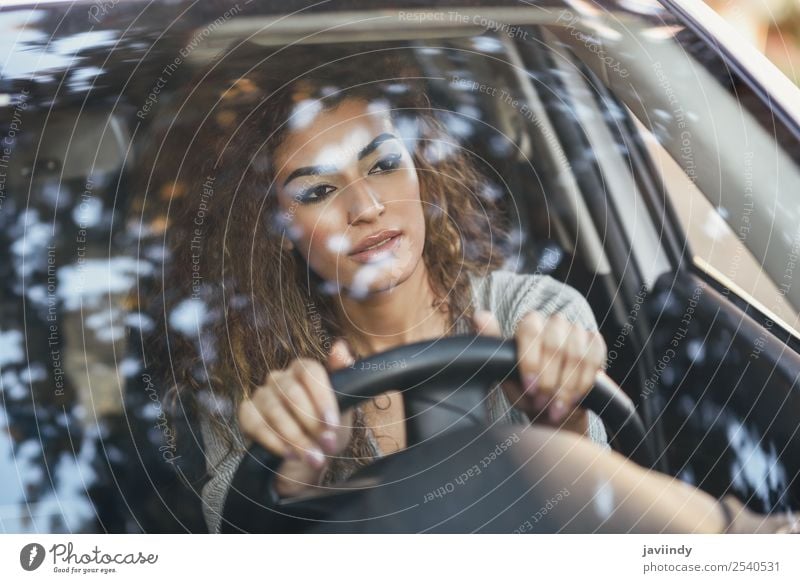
[210,193]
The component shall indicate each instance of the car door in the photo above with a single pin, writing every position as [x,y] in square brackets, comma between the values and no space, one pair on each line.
[688,159]
[716,154]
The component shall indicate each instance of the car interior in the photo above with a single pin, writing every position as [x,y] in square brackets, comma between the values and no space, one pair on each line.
[566,154]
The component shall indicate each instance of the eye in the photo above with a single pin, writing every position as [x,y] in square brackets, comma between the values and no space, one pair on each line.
[315,194]
[387,164]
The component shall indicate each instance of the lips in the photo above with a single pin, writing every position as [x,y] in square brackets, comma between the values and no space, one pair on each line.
[376,244]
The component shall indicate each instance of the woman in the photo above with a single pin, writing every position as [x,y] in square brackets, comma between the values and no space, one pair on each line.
[331,217]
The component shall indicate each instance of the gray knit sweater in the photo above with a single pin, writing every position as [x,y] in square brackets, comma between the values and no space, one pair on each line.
[509,296]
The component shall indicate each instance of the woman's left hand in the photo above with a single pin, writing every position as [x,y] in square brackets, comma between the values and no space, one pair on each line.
[558,362]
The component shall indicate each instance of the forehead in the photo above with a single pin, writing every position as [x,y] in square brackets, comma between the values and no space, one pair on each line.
[330,137]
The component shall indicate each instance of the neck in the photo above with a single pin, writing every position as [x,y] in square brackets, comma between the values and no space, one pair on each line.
[400,315]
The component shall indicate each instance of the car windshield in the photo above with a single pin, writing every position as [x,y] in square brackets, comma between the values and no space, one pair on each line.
[138,183]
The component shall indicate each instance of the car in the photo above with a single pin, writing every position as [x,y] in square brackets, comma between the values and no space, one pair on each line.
[643,154]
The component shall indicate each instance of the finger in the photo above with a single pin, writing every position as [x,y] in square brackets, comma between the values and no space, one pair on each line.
[598,350]
[283,423]
[254,426]
[341,355]
[575,359]
[553,341]
[574,350]
[486,323]
[541,401]
[301,399]
[529,351]
[594,360]
[323,418]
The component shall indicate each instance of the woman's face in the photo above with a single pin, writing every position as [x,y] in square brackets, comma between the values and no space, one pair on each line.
[349,194]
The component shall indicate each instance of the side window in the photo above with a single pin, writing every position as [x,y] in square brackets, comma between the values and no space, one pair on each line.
[728,156]
[716,247]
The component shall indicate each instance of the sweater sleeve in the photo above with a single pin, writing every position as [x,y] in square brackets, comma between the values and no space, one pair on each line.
[510,296]
[221,465]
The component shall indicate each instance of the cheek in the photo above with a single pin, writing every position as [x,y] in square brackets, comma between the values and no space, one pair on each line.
[404,185]
[401,194]
[319,230]
[409,206]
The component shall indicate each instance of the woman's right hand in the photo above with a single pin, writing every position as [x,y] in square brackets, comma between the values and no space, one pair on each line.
[295,416]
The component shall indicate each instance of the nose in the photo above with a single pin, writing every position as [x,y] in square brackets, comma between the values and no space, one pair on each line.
[364,205]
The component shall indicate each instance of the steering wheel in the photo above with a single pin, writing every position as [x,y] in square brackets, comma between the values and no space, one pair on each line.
[445,383]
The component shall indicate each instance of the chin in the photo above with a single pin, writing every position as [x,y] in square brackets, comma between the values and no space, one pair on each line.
[379,277]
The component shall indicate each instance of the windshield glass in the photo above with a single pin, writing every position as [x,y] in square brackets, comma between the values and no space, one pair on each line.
[171,208]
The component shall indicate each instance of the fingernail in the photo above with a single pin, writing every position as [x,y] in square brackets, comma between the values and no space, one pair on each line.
[331,418]
[327,440]
[291,454]
[557,411]
[531,382]
[315,457]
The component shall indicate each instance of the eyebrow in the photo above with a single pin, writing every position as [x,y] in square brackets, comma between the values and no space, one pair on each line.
[369,148]
[327,169]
